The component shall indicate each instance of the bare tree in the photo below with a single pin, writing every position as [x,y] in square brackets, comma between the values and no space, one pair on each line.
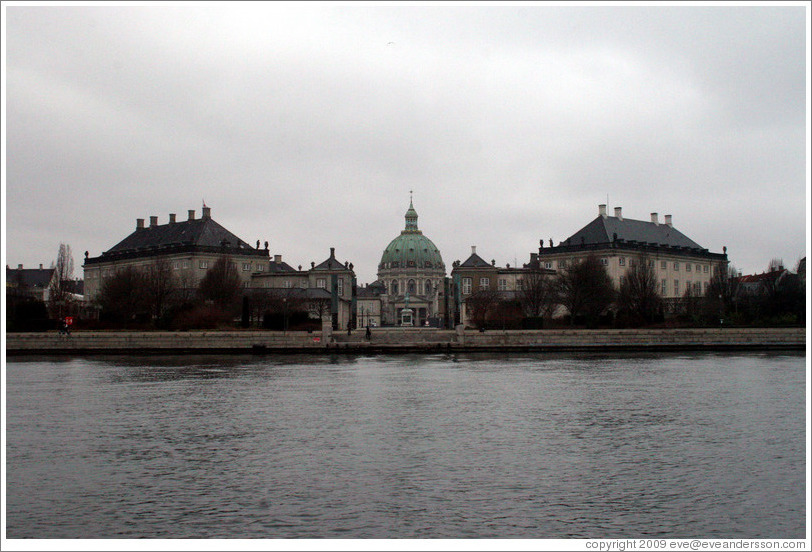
[586,289]
[480,305]
[221,285]
[161,285]
[538,294]
[638,298]
[123,296]
[59,290]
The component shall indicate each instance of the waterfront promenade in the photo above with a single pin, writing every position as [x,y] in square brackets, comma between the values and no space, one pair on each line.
[394,340]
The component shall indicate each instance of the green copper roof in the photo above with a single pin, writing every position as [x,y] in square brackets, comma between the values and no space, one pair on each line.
[411,249]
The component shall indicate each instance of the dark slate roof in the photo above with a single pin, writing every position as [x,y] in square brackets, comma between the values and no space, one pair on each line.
[281,268]
[475,261]
[331,263]
[29,277]
[205,232]
[196,234]
[603,230]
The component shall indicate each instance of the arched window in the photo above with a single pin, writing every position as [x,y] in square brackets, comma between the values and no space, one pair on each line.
[412,287]
[428,287]
[394,287]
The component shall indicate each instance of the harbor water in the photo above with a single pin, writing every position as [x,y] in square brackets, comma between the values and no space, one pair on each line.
[531,446]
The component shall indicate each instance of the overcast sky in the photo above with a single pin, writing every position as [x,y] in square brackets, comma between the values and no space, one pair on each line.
[307,125]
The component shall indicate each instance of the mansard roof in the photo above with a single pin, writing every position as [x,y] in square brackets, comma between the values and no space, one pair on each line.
[280,267]
[331,263]
[608,229]
[194,234]
[29,277]
[475,261]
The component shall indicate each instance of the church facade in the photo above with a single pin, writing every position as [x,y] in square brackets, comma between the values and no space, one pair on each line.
[412,276]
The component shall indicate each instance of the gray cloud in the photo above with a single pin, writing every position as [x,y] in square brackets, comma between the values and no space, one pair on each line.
[307,126]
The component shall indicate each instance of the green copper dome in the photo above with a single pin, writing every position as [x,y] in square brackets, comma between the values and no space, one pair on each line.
[411,249]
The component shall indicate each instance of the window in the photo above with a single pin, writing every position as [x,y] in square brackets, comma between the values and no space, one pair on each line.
[663,265]
[548,264]
[466,286]
[246,267]
[502,284]
[663,288]
[706,288]
[341,287]
[428,265]
[395,264]
[705,269]
[604,261]
[621,261]
[428,287]
[519,283]
[186,264]
[687,267]
[260,267]
[412,287]
[698,268]
[676,267]
[176,265]
[287,284]
[394,287]
[204,264]
[676,288]
[484,283]
[321,283]
[688,287]
[562,263]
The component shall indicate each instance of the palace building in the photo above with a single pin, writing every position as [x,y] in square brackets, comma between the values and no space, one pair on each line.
[413,276]
[681,264]
[190,247]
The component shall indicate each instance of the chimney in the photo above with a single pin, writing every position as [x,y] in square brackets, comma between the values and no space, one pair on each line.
[171,218]
[191,214]
[619,213]
[602,209]
[206,212]
[654,219]
[153,221]
[40,266]
[139,224]
[332,252]
[473,250]
[19,267]
[668,220]
[277,259]
[534,258]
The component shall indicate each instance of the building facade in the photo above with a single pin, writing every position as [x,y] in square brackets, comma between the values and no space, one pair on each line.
[486,293]
[328,289]
[412,274]
[190,248]
[681,264]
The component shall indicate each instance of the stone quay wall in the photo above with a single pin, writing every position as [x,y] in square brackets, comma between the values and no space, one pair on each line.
[394,340]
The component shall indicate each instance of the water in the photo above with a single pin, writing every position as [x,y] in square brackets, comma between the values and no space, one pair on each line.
[462,446]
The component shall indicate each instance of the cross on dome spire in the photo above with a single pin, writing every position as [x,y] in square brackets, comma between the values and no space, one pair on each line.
[411,218]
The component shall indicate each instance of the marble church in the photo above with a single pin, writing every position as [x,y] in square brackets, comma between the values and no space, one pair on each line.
[411,277]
